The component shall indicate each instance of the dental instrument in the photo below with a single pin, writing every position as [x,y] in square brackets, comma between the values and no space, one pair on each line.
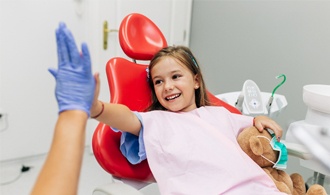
[251,101]
[270,101]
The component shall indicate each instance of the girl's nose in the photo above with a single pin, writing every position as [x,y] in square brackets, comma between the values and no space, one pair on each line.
[169,85]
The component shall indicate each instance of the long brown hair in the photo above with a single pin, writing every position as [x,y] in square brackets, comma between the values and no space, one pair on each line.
[185,57]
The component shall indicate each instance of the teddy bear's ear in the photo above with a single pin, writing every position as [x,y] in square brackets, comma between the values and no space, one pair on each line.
[256,146]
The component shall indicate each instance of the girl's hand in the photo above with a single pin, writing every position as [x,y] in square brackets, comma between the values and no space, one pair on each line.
[96,105]
[262,122]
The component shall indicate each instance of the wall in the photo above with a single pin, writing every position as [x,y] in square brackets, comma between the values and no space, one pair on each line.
[244,39]
[27,49]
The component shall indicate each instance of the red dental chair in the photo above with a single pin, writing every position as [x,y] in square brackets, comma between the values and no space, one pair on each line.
[140,39]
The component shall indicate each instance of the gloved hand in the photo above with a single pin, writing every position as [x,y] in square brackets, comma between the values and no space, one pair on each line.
[75,83]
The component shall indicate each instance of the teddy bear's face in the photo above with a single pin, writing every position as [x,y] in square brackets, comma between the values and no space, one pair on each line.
[257,146]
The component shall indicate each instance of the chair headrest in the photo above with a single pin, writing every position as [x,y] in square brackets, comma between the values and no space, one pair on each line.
[139,37]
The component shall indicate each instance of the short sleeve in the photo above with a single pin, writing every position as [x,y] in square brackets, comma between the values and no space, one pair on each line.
[132,146]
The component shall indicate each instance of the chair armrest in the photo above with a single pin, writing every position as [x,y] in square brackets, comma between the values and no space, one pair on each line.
[297,150]
[116,188]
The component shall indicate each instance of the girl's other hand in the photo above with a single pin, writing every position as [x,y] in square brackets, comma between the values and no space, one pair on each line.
[263,122]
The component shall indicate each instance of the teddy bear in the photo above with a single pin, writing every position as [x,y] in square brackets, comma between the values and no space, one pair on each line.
[256,145]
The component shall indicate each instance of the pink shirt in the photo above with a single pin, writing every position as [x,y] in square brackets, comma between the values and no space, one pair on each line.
[197,153]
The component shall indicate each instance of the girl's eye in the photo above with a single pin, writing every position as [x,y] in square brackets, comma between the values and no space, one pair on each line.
[176,76]
[157,82]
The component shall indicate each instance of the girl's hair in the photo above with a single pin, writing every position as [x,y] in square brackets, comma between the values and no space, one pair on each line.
[183,55]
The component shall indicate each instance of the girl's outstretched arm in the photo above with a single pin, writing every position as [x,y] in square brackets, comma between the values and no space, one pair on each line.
[115,115]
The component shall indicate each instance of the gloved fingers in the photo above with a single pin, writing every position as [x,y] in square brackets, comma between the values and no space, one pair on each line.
[53,71]
[62,51]
[72,49]
[86,58]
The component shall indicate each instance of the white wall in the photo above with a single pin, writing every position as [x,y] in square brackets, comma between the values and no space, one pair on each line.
[245,39]
[27,43]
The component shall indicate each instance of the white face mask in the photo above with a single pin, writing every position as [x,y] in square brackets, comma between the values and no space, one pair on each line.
[281,162]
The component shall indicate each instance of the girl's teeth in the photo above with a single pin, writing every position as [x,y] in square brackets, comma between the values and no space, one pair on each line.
[172,97]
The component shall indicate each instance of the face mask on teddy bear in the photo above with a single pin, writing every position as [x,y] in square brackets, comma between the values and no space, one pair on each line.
[281,162]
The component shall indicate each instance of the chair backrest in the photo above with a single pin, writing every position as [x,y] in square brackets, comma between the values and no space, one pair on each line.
[140,39]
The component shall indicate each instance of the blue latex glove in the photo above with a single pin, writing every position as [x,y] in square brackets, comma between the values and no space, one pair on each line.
[75,83]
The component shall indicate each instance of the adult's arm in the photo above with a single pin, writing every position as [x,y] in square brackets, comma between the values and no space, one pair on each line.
[60,173]
[75,86]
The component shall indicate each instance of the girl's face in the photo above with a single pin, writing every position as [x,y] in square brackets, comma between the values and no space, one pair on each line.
[174,85]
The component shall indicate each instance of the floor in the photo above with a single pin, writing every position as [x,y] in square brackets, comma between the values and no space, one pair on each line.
[14,182]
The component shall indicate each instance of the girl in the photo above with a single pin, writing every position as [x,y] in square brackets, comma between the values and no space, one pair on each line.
[191,145]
